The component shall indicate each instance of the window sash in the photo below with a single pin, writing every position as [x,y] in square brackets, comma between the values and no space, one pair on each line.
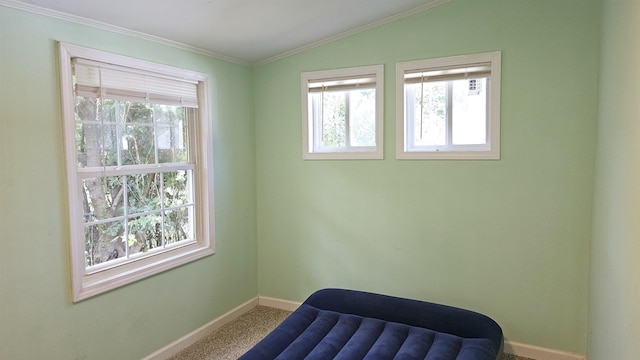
[114,129]
[127,217]
[446,74]
[449,144]
[316,113]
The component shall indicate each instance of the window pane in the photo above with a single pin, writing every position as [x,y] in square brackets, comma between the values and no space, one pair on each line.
[145,233]
[177,226]
[168,114]
[176,189]
[138,145]
[171,133]
[96,139]
[143,192]
[103,242]
[113,111]
[362,116]
[102,198]
[95,147]
[469,113]
[333,119]
[136,112]
[430,109]
[138,136]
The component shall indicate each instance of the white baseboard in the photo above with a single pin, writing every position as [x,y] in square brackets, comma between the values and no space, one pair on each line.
[278,303]
[189,339]
[539,353]
[510,347]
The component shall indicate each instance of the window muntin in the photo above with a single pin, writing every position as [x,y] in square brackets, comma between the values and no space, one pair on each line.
[449,108]
[138,167]
[342,113]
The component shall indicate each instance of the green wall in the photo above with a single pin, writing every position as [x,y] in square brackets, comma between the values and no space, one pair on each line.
[614,316]
[508,238]
[37,317]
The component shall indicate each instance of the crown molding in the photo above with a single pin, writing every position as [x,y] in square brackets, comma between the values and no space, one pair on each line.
[19,5]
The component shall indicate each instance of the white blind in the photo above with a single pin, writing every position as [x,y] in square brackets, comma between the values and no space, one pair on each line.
[98,79]
[474,71]
[366,81]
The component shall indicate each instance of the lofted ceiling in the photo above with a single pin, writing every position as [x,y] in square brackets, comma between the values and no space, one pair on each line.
[244,31]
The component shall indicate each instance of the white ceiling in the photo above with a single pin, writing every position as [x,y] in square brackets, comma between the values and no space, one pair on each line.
[246,31]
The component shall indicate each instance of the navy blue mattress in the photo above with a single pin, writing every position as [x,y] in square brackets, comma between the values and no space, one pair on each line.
[348,324]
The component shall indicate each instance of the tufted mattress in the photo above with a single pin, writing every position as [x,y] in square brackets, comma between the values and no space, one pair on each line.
[348,324]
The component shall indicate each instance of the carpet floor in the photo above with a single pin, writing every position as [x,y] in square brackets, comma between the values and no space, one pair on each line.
[235,338]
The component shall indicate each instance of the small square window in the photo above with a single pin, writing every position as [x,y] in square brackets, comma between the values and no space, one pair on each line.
[449,108]
[342,113]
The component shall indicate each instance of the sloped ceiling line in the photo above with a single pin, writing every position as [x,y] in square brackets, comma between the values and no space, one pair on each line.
[29,6]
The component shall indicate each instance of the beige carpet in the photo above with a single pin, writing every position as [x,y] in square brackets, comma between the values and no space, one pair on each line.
[235,338]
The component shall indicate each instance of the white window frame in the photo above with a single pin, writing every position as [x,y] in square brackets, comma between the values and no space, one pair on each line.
[310,128]
[87,282]
[490,150]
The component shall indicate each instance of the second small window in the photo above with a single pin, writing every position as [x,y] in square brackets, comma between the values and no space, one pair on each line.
[342,113]
[449,108]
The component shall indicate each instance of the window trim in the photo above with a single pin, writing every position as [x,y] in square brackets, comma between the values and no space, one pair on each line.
[90,282]
[490,151]
[309,128]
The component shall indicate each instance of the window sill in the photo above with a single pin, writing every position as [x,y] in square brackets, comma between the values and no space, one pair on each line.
[112,278]
[351,155]
[448,155]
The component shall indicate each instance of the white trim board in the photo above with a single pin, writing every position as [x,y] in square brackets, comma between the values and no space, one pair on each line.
[201,332]
[539,353]
[278,303]
[510,347]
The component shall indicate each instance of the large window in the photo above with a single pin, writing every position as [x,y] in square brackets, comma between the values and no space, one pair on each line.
[139,167]
[449,108]
[342,113]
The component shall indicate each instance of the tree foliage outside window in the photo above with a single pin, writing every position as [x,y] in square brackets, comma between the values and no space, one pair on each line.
[135,212]
[348,118]
[334,121]
[430,109]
